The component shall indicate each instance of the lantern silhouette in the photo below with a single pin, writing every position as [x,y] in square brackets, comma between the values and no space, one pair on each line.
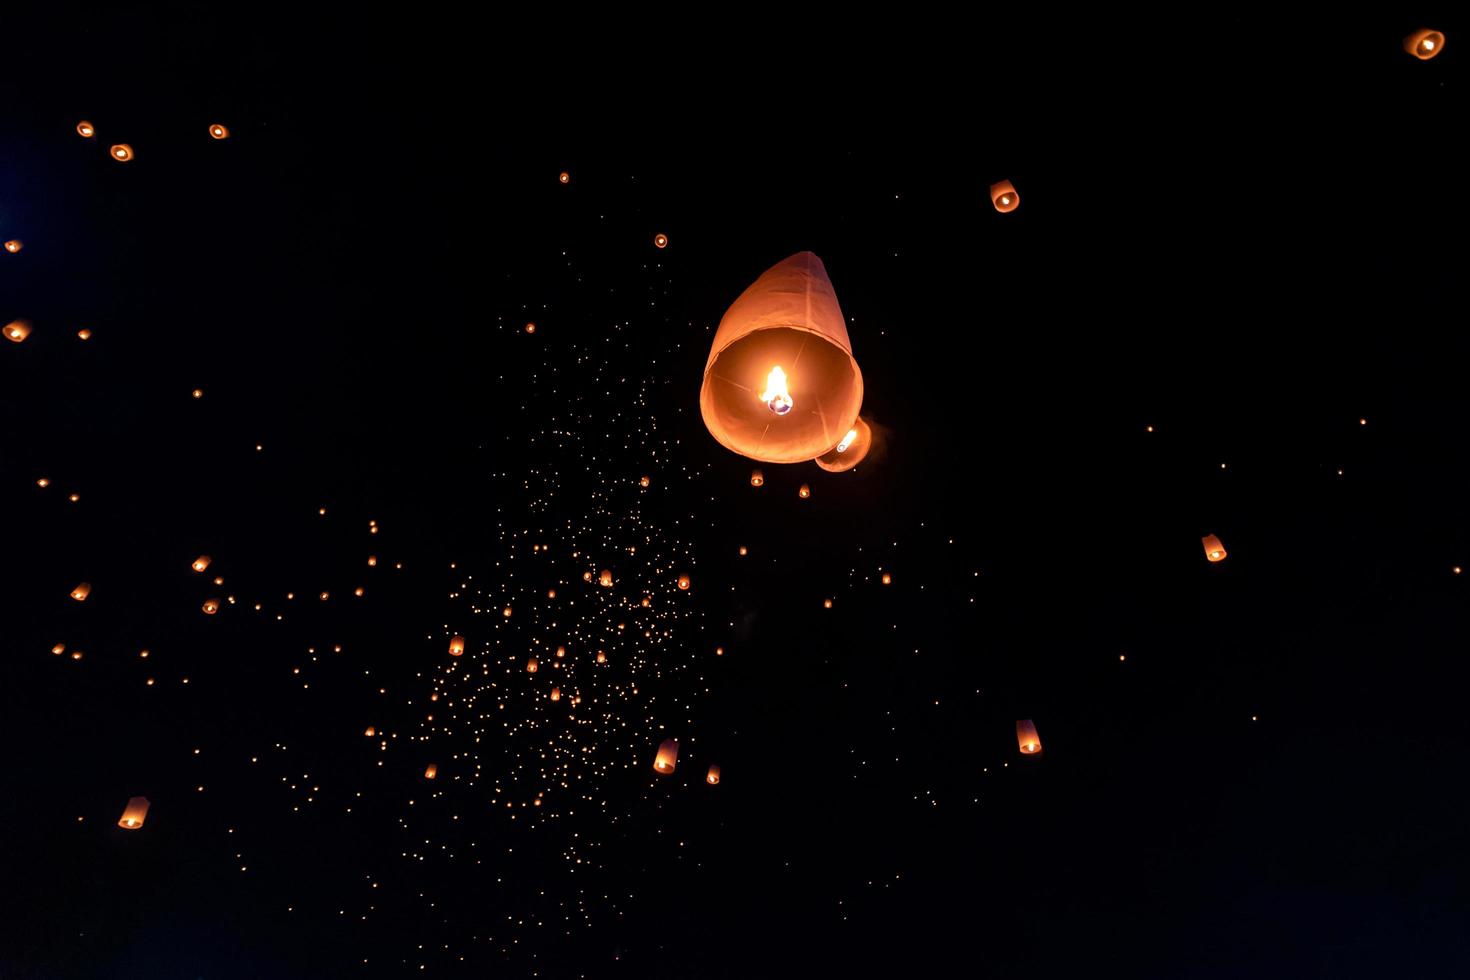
[668,754]
[14,245]
[134,813]
[431,772]
[81,592]
[1424,44]
[556,694]
[1027,738]
[1003,195]
[210,607]
[604,579]
[713,776]
[86,129]
[781,385]
[456,646]
[850,451]
[1214,550]
[200,564]
[684,583]
[17,330]
[757,478]
[121,152]
[219,132]
[531,665]
[661,240]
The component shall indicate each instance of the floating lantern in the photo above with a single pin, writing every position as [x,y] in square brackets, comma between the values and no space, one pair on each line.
[219,132]
[17,330]
[713,776]
[14,245]
[372,561]
[59,649]
[43,483]
[661,240]
[431,772]
[86,129]
[565,177]
[81,592]
[561,651]
[643,481]
[505,612]
[804,491]
[757,478]
[371,731]
[456,646]
[76,655]
[850,451]
[826,603]
[781,385]
[1424,44]
[551,593]
[668,754]
[1003,195]
[1027,738]
[556,694]
[887,579]
[530,328]
[744,551]
[601,657]
[84,334]
[531,665]
[1214,550]
[121,152]
[645,602]
[604,579]
[134,813]
[200,564]
[684,583]
[210,607]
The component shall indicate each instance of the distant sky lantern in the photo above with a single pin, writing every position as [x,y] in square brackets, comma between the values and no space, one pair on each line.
[134,813]
[14,245]
[219,132]
[661,240]
[17,330]
[1214,550]
[586,576]
[121,152]
[561,651]
[431,772]
[604,579]
[850,451]
[887,579]
[556,694]
[81,592]
[601,657]
[84,334]
[86,129]
[201,563]
[530,328]
[804,491]
[781,385]
[531,665]
[506,612]
[1003,195]
[744,551]
[372,561]
[565,177]
[713,776]
[371,731]
[757,478]
[643,481]
[668,755]
[826,603]
[1027,738]
[684,583]
[1424,44]
[210,607]
[551,593]
[59,649]
[456,646]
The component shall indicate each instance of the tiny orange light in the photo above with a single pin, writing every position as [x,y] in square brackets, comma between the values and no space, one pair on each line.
[757,479]
[661,240]
[210,607]
[601,657]
[530,328]
[219,132]
[84,334]
[826,603]
[201,563]
[556,694]
[81,592]
[85,129]
[565,177]
[713,776]
[643,481]
[887,579]
[684,583]
[59,649]
[804,492]
[76,655]
[122,152]
[532,665]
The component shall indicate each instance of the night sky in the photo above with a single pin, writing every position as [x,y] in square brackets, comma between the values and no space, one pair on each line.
[1230,303]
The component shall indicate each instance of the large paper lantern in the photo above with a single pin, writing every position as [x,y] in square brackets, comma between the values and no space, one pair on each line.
[781,385]
[1214,550]
[668,754]
[1003,195]
[1026,737]
[850,451]
[134,813]
[1424,44]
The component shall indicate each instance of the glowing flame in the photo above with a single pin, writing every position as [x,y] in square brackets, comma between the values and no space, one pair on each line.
[847,440]
[776,397]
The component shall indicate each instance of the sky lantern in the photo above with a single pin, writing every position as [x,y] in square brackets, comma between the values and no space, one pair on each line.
[59,649]
[219,132]
[668,754]
[850,451]
[804,491]
[684,583]
[81,592]
[661,240]
[134,813]
[17,330]
[561,652]
[757,478]
[84,334]
[781,385]
[456,646]
[1003,195]
[531,665]
[371,731]
[14,245]
[565,177]
[643,481]
[200,564]
[713,776]
[121,152]
[887,578]
[210,607]
[1214,550]
[506,612]
[86,129]
[826,603]
[1424,44]
[1026,737]
[530,328]
[556,694]
[604,579]
[601,657]
[431,772]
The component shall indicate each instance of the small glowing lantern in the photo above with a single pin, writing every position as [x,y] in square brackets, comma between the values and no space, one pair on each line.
[804,492]
[84,334]
[1424,44]
[668,754]
[210,607]
[219,132]
[757,478]
[59,649]
[713,776]
[604,579]
[887,579]
[14,245]
[551,593]
[826,603]
[850,451]
[506,612]
[431,772]
[645,602]
[684,583]
[1214,550]
[661,240]
[744,551]
[200,564]
[530,328]
[122,152]
[643,481]
[372,561]
[565,177]
[1027,738]
[561,651]
[371,731]
[456,646]
[601,657]
[134,813]
[789,318]
[81,592]
[586,576]
[532,665]
[1003,195]
[86,129]
[556,694]
[17,330]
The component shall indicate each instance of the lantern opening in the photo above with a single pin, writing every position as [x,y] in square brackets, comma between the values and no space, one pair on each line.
[776,396]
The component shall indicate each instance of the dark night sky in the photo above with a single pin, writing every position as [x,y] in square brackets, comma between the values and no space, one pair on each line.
[1245,234]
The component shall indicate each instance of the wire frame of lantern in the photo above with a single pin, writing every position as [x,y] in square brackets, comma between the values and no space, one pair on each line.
[713,776]
[1026,737]
[1424,44]
[17,330]
[850,451]
[431,772]
[667,757]
[218,131]
[1214,550]
[456,646]
[781,384]
[121,152]
[200,564]
[134,813]
[86,129]
[81,592]
[1003,195]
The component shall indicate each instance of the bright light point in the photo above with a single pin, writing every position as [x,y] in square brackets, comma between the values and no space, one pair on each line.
[847,440]
[776,397]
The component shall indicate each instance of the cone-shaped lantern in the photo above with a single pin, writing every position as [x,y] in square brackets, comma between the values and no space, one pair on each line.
[1027,738]
[781,385]
[850,451]
[1214,550]
[1424,44]
[134,813]
[668,754]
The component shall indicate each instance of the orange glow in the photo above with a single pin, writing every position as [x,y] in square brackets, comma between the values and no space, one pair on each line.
[1214,550]
[643,481]
[530,328]
[76,655]
[59,649]
[744,551]
[668,755]
[604,579]
[84,334]
[661,240]
[86,129]
[852,450]
[1424,44]
[757,478]
[601,657]
[887,579]
[826,603]
[777,396]
[804,492]
[456,646]
[645,602]
[17,330]
[565,177]
[201,563]
[505,612]
[556,694]
[1027,738]
[14,245]
[210,607]
[532,666]
[684,583]
[561,651]
[371,731]
[81,592]
[1003,195]
[713,776]
[219,132]
[134,813]
[372,561]
[431,772]
[551,593]
[121,152]
[199,393]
